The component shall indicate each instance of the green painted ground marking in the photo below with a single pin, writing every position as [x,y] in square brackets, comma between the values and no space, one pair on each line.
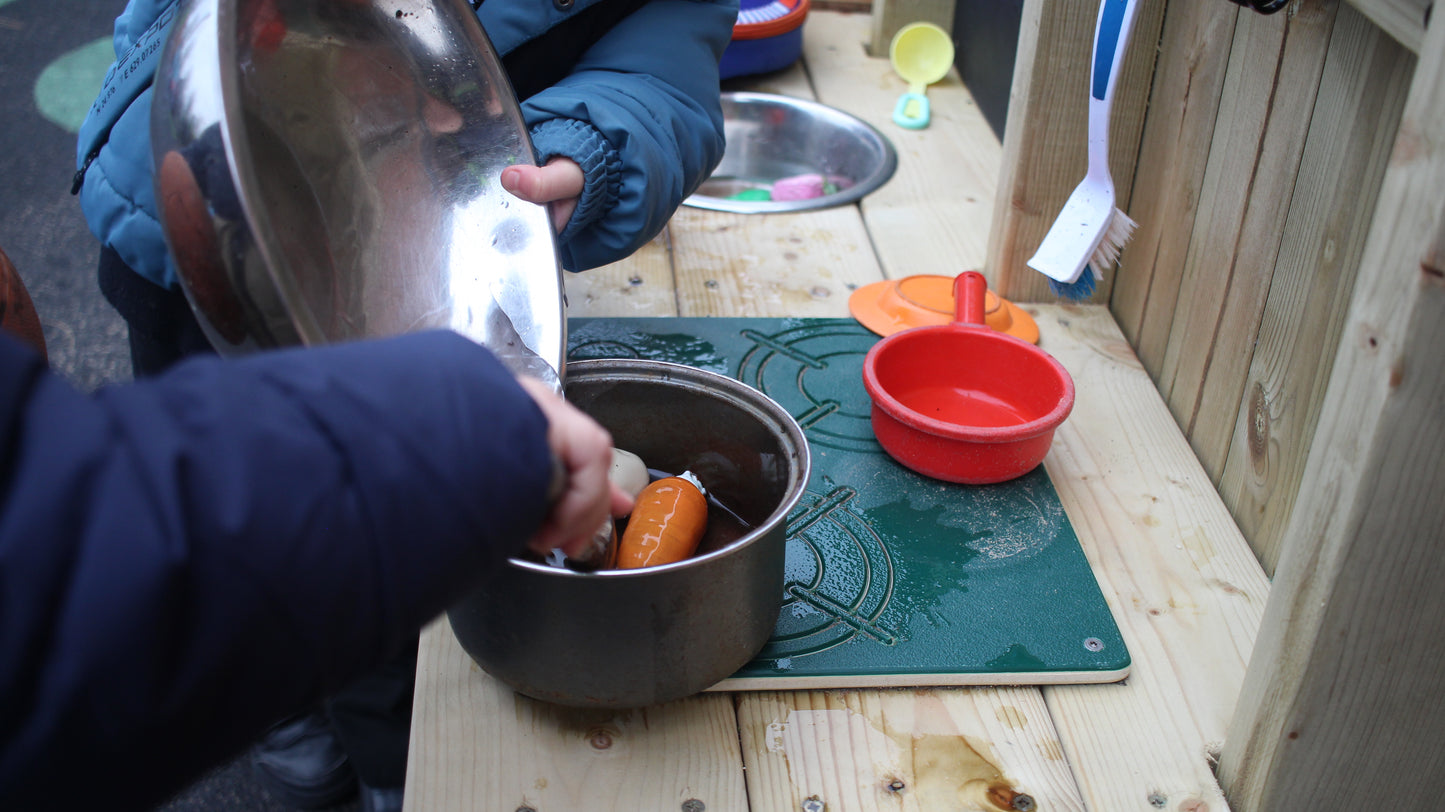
[66,88]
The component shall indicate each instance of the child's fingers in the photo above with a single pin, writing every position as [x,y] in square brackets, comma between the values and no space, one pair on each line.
[560,179]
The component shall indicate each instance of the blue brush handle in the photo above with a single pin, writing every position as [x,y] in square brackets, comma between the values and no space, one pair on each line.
[1108,41]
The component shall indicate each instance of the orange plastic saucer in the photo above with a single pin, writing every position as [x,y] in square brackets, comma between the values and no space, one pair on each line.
[892,305]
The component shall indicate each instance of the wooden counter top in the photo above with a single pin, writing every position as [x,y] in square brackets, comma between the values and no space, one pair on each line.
[1184,588]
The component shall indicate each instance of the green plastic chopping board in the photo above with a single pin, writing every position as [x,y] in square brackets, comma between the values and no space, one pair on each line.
[891,578]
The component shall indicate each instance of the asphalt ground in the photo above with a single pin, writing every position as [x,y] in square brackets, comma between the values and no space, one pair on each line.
[50,70]
[53,56]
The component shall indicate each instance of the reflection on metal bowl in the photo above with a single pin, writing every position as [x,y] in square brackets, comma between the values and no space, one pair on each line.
[773,138]
[328,174]
[629,638]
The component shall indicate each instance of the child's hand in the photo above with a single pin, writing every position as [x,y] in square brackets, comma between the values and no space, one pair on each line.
[585,449]
[560,183]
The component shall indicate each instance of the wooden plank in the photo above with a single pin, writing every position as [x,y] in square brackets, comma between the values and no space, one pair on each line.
[1046,134]
[1362,93]
[1405,20]
[797,264]
[1340,707]
[932,217]
[904,751]
[1270,89]
[1174,153]
[477,745]
[1184,586]
[890,15]
[640,285]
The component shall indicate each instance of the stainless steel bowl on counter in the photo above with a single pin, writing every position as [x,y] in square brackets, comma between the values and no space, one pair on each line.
[329,171]
[772,138]
[629,638]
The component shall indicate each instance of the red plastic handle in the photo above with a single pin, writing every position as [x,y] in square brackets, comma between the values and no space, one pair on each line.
[970,290]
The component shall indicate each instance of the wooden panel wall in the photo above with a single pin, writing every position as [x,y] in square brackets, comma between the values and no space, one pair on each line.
[1260,151]
[1340,706]
[1362,91]
[1234,299]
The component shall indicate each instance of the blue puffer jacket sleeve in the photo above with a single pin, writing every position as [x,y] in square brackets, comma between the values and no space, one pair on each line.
[649,92]
[183,560]
[117,195]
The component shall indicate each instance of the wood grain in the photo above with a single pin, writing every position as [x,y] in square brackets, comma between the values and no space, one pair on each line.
[1402,19]
[1269,92]
[1346,670]
[477,745]
[794,264]
[913,751]
[1352,127]
[1173,155]
[641,285]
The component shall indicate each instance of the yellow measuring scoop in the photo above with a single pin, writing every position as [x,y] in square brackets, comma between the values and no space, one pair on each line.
[921,53]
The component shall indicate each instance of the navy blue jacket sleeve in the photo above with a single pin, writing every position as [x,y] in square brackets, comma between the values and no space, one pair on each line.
[185,559]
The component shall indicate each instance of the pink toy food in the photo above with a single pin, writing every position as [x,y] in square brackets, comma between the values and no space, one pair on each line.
[807,187]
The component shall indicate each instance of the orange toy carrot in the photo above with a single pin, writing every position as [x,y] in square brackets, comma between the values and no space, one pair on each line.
[666,524]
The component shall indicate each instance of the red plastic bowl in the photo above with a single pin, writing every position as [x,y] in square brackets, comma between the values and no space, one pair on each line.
[963,403]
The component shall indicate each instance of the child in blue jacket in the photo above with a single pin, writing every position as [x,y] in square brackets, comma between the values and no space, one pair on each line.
[621,95]
[621,100]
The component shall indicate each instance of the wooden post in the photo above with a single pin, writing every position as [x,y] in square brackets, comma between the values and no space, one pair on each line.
[1342,707]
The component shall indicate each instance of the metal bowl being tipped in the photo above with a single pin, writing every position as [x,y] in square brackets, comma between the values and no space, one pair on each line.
[330,171]
[773,138]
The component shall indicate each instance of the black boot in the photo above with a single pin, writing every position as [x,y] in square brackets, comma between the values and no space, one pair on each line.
[301,763]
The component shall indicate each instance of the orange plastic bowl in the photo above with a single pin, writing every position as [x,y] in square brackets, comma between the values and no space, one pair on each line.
[963,403]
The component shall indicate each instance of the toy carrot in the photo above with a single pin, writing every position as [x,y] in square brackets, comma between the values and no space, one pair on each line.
[666,524]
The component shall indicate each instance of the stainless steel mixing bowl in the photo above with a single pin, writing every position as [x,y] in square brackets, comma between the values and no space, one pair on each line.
[628,638]
[329,171]
[772,137]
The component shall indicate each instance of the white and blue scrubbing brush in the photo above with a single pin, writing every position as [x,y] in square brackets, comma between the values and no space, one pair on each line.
[1089,232]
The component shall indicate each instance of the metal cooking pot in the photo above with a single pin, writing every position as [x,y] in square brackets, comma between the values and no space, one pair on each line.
[328,171]
[629,638]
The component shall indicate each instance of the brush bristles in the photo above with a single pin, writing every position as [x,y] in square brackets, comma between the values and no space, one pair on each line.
[1121,228]
[1078,290]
